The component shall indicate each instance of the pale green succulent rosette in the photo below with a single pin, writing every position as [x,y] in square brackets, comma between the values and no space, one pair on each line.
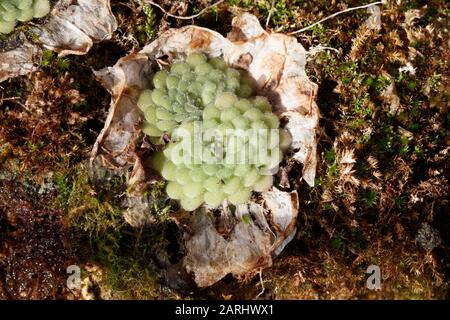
[12,11]
[224,145]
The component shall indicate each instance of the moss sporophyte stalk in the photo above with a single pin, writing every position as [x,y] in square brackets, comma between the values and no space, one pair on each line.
[12,11]
[225,142]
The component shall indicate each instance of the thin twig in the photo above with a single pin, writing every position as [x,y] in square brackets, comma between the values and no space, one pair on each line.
[262,284]
[10,98]
[183,18]
[270,13]
[334,15]
[314,50]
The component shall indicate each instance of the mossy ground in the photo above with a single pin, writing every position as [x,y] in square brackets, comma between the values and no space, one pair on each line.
[382,171]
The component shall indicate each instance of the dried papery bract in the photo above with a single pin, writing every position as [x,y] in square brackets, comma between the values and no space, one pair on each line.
[26,57]
[74,28]
[70,28]
[276,62]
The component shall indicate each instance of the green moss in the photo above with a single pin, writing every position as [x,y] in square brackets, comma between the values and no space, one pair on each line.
[320,31]
[381,84]
[329,155]
[241,3]
[369,198]
[65,188]
[147,28]
[418,150]
[337,241]
[404,147]
[401,203]
[55,64]
[104,238]
[357,239]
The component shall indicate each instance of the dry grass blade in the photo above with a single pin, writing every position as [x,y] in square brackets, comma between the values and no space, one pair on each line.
[180,17]
[270,13]
[334,15]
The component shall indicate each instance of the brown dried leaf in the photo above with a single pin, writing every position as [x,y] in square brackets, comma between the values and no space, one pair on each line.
[18,57]
[73,28]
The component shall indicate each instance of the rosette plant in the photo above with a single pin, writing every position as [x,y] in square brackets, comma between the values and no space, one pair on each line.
[225,142]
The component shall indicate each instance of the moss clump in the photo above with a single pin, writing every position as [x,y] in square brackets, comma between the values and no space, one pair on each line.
[12,11]
[224,143]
